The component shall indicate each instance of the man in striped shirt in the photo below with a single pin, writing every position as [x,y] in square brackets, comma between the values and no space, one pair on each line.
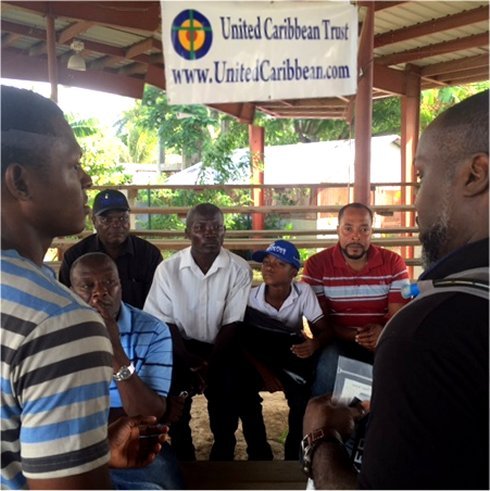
[56,362]
[358,286]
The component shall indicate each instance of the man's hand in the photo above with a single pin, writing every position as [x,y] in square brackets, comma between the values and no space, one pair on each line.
[331,467]
[126,446]
[322,412]
[368,335]
[306,348]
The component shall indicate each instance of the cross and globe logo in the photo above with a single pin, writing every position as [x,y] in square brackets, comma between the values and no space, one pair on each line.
[191,34]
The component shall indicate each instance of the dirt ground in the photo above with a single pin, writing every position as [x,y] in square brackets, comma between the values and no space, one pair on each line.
[275,412]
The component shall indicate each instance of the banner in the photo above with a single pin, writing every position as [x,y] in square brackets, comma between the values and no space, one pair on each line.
[256,51]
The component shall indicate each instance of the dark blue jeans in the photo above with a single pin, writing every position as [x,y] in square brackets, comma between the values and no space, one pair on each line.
[162,473]
[326,367]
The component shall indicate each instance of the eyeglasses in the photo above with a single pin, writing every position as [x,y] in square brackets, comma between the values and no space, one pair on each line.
[122,219]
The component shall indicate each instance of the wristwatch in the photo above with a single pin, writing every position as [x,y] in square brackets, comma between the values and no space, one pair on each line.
[123,373]
[311,441]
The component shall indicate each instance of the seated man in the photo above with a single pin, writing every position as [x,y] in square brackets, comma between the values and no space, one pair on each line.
[273,332]
[136,258]
[201,293]
[142,362]
[359,289]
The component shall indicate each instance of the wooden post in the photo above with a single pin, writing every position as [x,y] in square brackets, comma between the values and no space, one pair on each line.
[52,60]
[410,113]
[256,139]
[364,109]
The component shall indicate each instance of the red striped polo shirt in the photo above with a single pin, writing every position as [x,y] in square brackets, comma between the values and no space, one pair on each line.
[356,298]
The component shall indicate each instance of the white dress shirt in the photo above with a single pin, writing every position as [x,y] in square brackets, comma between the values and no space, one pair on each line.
[197,303]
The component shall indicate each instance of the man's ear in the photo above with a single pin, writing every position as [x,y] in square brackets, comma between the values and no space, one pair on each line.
[476,174]
[17,181]
[186,233]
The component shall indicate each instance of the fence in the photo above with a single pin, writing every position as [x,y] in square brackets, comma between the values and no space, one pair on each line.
[311,222]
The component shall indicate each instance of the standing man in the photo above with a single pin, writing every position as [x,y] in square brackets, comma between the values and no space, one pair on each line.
[428,427]
[358,286]
[136,258]
[142,362]
[56,356]
[201,292]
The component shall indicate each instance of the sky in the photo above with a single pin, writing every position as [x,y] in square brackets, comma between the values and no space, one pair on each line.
[84,103]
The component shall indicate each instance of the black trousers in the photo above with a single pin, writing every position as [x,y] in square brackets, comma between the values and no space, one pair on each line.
[226,403]
[295,374]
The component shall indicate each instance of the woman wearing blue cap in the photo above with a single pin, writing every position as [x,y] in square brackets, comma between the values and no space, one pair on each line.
[274,334]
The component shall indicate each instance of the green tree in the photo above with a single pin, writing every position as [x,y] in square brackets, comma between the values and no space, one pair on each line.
[435,101]
[142,143]
[102,153]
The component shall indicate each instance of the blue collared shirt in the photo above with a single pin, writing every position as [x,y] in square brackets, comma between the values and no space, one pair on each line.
[148,344]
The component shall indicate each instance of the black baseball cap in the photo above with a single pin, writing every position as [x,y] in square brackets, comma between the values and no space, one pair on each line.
[108,200]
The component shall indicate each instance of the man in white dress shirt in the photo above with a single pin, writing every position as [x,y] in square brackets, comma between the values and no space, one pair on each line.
[201,292]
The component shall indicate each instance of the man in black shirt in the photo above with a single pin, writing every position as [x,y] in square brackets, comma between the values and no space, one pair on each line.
[428,426]
[136,258]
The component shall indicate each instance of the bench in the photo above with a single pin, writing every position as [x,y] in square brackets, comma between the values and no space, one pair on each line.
[243,474]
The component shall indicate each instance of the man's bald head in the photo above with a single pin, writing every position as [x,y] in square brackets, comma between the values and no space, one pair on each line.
[92,260]
[462,130]
[452,165]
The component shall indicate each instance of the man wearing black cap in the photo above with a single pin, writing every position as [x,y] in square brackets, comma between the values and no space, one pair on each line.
[136,258]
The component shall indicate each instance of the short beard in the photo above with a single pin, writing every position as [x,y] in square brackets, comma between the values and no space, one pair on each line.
[433,242]
[435,239]
[351,256]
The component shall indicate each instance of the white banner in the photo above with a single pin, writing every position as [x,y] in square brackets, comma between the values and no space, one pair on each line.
[256,51]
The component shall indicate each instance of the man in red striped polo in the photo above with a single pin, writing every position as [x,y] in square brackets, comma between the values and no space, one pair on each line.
[359,288]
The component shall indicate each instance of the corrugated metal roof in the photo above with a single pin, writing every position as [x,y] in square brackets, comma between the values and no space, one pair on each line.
[445,41]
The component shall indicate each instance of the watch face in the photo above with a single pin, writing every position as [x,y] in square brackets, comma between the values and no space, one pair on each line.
[124,373]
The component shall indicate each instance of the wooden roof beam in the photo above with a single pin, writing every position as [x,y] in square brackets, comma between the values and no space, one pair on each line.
[131,14]
[9,39]
[89,45]
[71,32]
[18,65]
[32,32]
[38,49]
[142,47]
[379,5]
[388,79]
[479,14]
[449,66]
[463,75]
[416,54]
[244,112]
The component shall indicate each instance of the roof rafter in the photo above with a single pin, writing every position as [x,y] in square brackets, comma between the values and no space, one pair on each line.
[449,66]
[474,41]
[479,14]
[136,14]
[73,31]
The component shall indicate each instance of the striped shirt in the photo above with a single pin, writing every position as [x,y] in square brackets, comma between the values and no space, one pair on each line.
[356,298]
[56,366]
[148,344]
[300,302]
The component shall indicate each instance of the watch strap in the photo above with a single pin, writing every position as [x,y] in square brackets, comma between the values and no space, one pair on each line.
[124,373]
[310,442]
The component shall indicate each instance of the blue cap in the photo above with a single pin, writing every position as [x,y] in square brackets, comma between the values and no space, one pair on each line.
[110,199]
[282,249]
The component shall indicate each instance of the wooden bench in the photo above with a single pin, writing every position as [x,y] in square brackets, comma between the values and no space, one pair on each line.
[243,474]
